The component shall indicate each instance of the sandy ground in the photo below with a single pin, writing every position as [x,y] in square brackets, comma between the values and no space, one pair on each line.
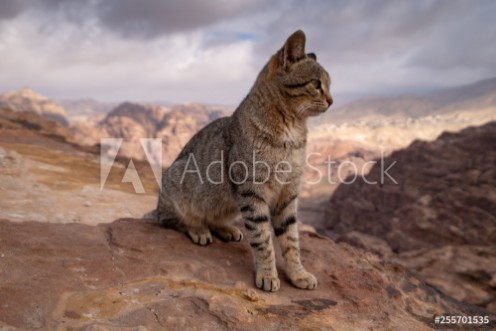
[46,185]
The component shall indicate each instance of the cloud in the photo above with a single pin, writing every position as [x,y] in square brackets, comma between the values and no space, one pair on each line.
[464,40]
[136,19]
[9,9]
[150,18]
[86,61]
[392,46]
[212,51]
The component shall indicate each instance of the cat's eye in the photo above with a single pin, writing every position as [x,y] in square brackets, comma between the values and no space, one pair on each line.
[316,83]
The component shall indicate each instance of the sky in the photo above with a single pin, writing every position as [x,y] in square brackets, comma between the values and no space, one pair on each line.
[211,51]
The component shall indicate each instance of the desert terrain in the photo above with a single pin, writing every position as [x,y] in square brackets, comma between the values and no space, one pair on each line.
[76,253]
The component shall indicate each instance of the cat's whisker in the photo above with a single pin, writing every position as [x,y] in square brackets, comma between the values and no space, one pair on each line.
[302,109]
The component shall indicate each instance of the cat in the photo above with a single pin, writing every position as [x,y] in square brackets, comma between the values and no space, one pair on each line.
[251,164]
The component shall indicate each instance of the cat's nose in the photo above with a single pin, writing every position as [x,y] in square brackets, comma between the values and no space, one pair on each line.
[329,100]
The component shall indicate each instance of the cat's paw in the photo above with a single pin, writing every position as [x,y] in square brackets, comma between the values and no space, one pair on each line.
[229,233]
[268,282]
[304,280]
[202,238]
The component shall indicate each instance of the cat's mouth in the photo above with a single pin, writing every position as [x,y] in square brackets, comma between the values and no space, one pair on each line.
[322,105]
[318,110]
[326,106]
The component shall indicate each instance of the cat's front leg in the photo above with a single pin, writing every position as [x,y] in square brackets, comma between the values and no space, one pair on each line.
[256,215]
[285,224]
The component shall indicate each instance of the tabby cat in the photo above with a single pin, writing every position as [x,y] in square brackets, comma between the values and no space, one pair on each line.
[251,163]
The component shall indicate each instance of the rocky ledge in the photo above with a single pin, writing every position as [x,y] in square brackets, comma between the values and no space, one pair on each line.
[135,275]
[439,220]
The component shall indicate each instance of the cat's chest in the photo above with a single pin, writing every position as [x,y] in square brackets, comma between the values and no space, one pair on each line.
[285,162]
[291,137]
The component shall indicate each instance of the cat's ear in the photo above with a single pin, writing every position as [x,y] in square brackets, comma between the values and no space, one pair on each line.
[312,56]
[294,49]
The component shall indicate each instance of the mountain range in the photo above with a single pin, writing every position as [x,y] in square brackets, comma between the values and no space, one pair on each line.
[27,100]
[133,121]
[481,94]
[81,109]
[385,122]
[478,95]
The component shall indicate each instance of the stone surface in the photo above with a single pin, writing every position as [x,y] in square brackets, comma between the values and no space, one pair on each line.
[59,273]
[466,272]
[29,124]
[444,201]
[46,177]
[445,194]
[134,275]
[367,242]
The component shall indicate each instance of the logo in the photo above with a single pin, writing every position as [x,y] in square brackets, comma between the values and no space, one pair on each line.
[238,172]
[110,147]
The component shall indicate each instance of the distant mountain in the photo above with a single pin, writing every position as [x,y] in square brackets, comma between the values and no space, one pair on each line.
[133,121]
[20,126]
[27,100]
[479,95]
[146,117]
[81,108]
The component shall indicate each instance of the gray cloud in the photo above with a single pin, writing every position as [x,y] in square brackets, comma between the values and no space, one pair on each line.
[149,18]
[136,18]
[369,45]
[465,39]
[437,33]
[351,31]
[381,46]
[9,9]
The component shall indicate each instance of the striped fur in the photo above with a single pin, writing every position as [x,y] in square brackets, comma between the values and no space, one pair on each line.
[270,126]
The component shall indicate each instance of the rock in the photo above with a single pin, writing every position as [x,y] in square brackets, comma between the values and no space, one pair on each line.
[466,272]
[10,163]
[31,123]
[368,243]
[26,100]
[131,273]
[444,199]
[133,121]
[46,177]
[306,228]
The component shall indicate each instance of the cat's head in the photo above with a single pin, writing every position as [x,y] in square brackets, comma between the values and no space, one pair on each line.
[301,81]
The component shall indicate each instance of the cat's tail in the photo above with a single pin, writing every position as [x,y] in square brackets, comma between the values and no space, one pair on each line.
[152,214]
[172,222]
